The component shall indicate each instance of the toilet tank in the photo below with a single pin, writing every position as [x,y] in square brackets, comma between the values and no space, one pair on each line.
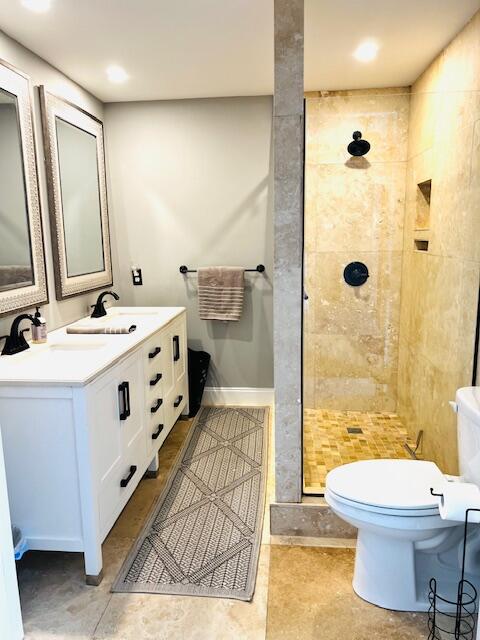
[468,433]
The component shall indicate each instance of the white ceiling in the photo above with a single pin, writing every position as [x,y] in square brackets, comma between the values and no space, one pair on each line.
[410,32]
[209,48]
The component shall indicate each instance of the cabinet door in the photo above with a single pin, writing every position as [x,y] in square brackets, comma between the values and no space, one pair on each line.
[178,337]
[116,402]
[177,398]
[132,425]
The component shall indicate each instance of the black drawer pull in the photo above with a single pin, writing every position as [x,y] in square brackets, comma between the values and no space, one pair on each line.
[157,432]
[176,348]
[124,391]
[156,406]
[156,379]
[154,353]
[125,481]
[178,401]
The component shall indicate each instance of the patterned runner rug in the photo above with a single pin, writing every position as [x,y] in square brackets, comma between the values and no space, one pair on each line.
[203,536]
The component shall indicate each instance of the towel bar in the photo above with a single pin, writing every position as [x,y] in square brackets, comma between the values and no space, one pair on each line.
[260,268]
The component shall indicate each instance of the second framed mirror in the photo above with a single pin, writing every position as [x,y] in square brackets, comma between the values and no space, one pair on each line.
[75,166]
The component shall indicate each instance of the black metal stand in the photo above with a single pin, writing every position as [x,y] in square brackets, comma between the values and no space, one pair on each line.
[461,623]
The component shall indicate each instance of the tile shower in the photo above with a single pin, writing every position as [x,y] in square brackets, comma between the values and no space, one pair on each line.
[354,211]
[389,355]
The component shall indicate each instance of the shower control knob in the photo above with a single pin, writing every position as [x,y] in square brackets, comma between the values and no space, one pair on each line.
[356,274]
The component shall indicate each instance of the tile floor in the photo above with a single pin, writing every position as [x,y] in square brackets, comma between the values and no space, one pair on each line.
[328,444]
[302,592]
[310,597]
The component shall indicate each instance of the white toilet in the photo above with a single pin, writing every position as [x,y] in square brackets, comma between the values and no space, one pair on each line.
[402,541]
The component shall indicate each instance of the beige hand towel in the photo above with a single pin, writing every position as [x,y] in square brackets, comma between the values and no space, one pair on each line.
[220,293]
[102,330]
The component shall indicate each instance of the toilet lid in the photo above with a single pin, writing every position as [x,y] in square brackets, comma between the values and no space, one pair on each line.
[389,484]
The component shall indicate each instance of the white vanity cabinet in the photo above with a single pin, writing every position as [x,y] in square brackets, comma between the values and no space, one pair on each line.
[75,453]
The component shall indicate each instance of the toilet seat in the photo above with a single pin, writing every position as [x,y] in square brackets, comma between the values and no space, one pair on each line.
[390,487]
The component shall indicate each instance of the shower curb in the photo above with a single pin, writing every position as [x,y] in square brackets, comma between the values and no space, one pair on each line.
[311,518]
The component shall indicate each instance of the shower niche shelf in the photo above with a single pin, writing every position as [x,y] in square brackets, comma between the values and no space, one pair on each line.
[420,245]
[422,208]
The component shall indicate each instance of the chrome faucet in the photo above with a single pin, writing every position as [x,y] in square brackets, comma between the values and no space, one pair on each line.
[15,342]
[99,307]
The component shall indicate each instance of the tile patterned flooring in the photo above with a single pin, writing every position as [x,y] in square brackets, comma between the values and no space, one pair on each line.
[302,592]
[328,444]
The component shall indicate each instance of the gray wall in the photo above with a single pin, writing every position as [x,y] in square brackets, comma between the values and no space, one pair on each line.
[56,313]
[191,183]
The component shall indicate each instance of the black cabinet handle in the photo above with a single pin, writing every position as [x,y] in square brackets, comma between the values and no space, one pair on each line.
[154,353]
[156,379]
[157,432]
[176,348]
[156,406]
[124,391]
[178,401]
[124,482]
[128,399]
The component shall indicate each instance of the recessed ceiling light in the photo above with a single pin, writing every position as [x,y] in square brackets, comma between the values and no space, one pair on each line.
[116,74]
[38,6]
[366,51]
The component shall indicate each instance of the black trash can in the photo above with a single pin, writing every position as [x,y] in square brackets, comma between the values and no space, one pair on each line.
[198,363]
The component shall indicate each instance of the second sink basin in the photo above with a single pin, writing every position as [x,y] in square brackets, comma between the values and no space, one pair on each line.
[76,346]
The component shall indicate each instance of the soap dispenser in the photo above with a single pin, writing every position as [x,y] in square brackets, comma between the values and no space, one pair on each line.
[39,333]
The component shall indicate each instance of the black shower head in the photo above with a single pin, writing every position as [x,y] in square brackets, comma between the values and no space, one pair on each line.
[358,147]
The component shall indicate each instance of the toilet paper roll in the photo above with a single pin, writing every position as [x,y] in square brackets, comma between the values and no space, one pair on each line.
[456,498]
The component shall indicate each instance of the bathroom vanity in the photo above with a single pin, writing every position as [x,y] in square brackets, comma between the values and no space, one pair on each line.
[82,419]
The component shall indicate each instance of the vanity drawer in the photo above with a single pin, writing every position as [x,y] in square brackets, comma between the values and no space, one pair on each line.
[155,418]
[157,433]
[157,361]
[153,348]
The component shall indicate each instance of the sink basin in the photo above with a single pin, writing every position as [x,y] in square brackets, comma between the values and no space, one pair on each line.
[54,351]
[122,319]
[136,313]
[76,346]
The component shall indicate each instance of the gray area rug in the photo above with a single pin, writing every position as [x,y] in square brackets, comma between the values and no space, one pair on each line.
[203,536]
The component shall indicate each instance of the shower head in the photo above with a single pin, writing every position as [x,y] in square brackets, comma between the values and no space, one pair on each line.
[358,147]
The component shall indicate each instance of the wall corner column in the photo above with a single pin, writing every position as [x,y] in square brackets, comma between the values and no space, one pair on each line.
[288,128]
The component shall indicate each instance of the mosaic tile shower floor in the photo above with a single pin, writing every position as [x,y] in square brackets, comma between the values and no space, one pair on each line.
[327,442]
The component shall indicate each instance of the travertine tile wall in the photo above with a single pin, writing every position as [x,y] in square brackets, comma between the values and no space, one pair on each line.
[354,211]
[440,287]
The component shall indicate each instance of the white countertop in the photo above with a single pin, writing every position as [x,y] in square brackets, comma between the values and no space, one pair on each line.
[75,360]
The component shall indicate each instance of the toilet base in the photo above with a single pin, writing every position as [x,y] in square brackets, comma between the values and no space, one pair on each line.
[385,573]
[392,573]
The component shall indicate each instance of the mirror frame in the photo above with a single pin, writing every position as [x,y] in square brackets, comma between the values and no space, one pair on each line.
[18,84]
[52,107]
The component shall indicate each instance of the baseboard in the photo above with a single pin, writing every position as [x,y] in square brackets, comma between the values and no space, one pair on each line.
[240,396]
[54,544]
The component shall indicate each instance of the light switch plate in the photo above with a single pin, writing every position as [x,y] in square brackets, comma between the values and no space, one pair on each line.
[137,277]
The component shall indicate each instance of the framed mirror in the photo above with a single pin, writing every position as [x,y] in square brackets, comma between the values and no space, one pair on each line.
[22,258]
[75,166]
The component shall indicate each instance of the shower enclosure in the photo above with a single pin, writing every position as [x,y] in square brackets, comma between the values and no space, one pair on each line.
[391,264]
